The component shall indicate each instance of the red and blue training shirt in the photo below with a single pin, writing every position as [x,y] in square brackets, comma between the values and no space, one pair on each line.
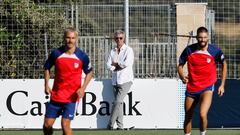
[68,73]
[201,66]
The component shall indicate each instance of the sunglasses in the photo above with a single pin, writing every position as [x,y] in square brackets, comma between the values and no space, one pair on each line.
[118,38]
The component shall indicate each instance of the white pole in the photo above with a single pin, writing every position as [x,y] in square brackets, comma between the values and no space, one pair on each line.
[76,16]
[45,44]
[76,20]
[72,22]
[126,21]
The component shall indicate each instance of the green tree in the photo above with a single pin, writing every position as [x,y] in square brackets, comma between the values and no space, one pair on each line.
[22,36]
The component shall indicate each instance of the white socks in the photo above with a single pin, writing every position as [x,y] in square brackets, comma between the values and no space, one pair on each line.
[203,133]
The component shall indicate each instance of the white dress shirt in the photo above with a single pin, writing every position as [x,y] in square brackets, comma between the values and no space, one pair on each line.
[125,59]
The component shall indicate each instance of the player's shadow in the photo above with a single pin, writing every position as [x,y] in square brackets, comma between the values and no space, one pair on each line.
[106,104]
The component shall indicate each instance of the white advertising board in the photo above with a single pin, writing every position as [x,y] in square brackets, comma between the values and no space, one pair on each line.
[150,103]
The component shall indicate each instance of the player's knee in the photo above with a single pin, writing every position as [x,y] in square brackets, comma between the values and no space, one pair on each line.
[203,115]
[47,125]
[66,125]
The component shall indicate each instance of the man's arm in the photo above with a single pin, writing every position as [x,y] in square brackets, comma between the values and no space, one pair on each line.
[116,67]
[128,59]
[46,79]
[82,89]
[181,74]
[223,77]
[110,65]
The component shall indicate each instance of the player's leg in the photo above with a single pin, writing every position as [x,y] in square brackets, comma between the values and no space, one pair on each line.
[66,126]
[205,103]
[47,126]
[53,110]
[68,115]
[190,104]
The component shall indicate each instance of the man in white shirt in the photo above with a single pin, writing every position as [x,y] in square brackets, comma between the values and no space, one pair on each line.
[120,62]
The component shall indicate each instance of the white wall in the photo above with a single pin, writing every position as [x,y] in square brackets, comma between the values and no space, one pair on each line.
[151,103]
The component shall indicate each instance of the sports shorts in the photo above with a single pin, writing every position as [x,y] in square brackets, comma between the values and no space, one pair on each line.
[55,109]
[196,95]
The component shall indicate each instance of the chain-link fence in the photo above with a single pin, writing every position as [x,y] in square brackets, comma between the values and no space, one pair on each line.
[30,29]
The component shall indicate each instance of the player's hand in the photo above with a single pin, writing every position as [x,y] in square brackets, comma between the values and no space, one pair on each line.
[47,90]
[117,67]
[81,92]
[185,79]
[114,64]
[220,90]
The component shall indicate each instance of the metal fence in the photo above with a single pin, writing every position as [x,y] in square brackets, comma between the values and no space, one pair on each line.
[29,30]
[151,60]
[24,52]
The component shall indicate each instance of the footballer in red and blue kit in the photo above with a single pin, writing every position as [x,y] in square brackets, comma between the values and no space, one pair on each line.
[201,66]
[68,74]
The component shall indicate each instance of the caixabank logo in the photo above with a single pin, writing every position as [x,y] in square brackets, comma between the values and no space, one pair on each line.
[89,105]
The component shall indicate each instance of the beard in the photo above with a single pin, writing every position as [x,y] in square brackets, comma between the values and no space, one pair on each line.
[202,44]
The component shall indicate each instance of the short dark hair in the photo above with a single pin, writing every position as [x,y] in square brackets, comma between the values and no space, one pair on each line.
[202,29]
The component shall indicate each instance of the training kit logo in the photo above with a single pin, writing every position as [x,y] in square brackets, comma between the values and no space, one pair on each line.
[76,65]
[208,60]
[89,105]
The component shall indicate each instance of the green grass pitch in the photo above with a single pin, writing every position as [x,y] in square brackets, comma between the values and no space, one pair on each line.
[124,132]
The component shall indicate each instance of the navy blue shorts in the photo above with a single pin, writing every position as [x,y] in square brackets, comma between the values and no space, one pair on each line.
[55,109]
[196,95]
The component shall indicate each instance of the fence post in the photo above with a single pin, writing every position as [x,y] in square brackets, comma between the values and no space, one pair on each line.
[126,17]
[45,44]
